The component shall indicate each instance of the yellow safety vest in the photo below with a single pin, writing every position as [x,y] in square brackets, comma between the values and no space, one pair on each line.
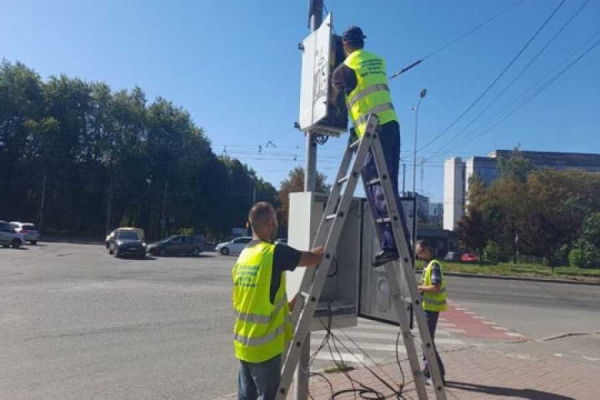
[262,328]
[372,93]
[432,301]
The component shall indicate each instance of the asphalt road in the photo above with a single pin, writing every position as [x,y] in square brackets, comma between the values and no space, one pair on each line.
[536,309]
[76,323]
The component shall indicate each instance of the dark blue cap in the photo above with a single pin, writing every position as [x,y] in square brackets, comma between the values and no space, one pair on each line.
[353,35]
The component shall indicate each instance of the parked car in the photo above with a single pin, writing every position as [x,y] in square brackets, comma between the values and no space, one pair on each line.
[234,246]
[111,235]
[453,256]
[178,245]
[127,242]
[469,258]
[9,237]
[29,231]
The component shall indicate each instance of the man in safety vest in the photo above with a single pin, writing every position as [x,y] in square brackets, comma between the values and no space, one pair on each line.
[363,79]
[434,297]
[262,328]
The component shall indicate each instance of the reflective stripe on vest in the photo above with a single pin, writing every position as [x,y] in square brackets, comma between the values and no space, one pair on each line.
[363,93]
[371,94]
[258,318]
[434,301]
[383,107]
[258,341]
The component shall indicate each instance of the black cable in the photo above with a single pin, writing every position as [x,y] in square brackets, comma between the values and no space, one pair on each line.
[541,86]
[550,41]
[414,64]
[496,79]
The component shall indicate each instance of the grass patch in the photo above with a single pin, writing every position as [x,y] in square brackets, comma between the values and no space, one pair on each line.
[524,270]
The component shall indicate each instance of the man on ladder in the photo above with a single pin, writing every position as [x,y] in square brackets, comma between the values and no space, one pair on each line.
[363,79]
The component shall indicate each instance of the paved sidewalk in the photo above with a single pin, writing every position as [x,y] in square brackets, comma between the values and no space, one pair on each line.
[476,373]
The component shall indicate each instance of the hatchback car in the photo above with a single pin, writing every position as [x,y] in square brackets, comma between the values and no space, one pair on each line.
[178,245]
[9,237]
[234,246]
[127,242]
[469,258]
[29,231]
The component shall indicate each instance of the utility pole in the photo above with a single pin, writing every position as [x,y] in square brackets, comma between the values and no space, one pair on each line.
[403,179]
[310,173]
[42,205]
[109,196]
[416,202]
[310,183]
[163,218]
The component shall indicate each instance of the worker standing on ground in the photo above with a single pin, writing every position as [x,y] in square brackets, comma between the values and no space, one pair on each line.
[433,289]
[363,79]
[262,328]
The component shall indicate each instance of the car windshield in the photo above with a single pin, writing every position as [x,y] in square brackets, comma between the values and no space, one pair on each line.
[30,227]
[128,235]
[169,238]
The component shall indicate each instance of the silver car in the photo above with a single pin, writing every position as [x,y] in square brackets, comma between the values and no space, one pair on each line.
[29,231]
[9,237]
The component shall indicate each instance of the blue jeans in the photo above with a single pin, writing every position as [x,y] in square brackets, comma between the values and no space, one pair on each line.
[432,320]
[259,381]
[389,136]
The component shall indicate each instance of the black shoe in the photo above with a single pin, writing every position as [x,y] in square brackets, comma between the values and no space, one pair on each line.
[384,256]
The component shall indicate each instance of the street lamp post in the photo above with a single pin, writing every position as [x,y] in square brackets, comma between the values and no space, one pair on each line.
[416,109]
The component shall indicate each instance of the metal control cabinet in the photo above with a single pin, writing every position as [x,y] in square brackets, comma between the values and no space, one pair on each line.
[375,298]
[340,294]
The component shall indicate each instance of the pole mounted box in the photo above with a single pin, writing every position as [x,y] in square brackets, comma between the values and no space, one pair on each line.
[322,52]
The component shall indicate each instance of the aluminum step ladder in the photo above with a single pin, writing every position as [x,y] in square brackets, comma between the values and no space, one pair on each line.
[328,235]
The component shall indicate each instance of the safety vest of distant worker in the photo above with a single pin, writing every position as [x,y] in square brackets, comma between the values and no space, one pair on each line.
[432,301]
[372,93]
[262,329]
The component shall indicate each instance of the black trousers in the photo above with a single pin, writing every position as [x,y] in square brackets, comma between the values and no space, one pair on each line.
[389,136]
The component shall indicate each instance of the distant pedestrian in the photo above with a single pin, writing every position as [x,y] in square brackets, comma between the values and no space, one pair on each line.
[434,297]
[262,329]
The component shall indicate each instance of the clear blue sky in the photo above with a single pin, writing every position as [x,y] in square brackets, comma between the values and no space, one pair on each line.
[234,65]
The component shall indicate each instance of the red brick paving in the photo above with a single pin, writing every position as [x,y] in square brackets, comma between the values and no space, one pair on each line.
[476,373]
[473,327]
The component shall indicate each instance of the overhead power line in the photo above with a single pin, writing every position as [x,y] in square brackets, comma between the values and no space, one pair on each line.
[458,38]
[507,86]
[539,90]
[500,75]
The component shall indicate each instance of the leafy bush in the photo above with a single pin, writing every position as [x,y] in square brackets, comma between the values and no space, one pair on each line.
[584,255]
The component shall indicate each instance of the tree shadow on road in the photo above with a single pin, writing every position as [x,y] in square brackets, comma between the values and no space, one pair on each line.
[505,392]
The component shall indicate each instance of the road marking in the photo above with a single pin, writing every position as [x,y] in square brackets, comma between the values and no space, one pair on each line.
[470,312]
[478,317]
[385,336]
[500,328]
[460,309]
[447,324]
[489,323]
[455,330]
[514,334]
[367,346]
[590,358]
[346,357]
[558,355]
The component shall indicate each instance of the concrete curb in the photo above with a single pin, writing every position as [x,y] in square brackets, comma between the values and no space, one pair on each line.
[566,335]
[521,278]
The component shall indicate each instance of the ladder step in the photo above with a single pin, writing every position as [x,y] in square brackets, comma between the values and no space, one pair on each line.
[344,179]
[383,220]
[373,181]
[330,217]
[354,144]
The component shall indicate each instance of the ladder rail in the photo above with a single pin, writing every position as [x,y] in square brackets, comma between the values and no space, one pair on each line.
[409,274]
[315,278]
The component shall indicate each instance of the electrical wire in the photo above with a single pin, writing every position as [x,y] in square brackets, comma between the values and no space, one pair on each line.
[507,86]
[453,41]
[533,91]
[500,75]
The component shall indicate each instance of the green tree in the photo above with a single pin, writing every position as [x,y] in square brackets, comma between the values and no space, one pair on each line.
[295,183]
